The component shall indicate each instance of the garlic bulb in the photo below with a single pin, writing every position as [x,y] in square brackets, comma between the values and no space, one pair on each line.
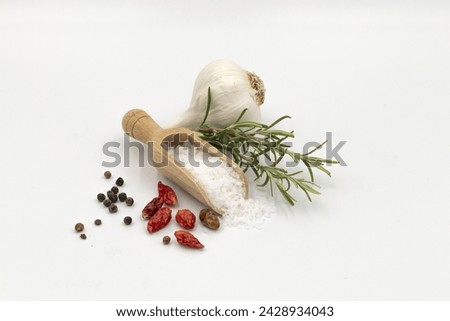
[232,90]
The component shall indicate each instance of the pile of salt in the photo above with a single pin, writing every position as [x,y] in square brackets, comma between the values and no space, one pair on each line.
[224,188]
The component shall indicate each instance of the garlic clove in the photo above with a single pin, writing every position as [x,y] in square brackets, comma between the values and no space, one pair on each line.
[232,90]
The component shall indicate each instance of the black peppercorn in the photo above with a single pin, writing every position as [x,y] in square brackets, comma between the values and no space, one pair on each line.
[83,236]
[113,208]
[107,174]
[129,201]
[115,190]
[107,203]
[166,239]
[119,181]
[98,222]
[112,196]
[79,227]
[127,220]
[101,197]
[122,197]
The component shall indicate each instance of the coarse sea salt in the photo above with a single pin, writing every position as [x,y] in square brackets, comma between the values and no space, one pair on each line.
[225,188]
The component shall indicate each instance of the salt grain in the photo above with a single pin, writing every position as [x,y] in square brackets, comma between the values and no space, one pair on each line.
[225,188]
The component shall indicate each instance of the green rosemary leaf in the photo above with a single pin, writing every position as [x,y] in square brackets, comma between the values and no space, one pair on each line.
[254,171]
[241,115]
[307,194]
[278,121]
[310,189]
[330,161]
[273,132]
[285,194]
[295,173]
[208,107]
[315,149]
[265,181]
[308,166]
[321,168]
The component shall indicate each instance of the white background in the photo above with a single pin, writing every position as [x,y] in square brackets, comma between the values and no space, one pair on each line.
[374,73]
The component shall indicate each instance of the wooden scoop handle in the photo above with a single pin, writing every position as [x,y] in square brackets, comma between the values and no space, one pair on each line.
[139,125]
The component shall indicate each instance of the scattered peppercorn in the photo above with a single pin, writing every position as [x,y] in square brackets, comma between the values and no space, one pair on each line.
[119,181]
[107,174]
[83,236]
[107,203]
[129,201]
[209,218]
[112,196]
[101,197]
[127,220]
[166,239]
[122,197]
[115,190]
[98,222]
[79,227]
[113,208]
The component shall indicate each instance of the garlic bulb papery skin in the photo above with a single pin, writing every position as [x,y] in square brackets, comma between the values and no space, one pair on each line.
[232,90]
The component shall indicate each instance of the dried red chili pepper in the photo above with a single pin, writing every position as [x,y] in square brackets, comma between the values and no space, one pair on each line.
[187,239]
[159,220]
[151,208]
[167,194]
[185,218]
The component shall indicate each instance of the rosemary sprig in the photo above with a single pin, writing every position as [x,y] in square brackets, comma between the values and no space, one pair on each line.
[261,148]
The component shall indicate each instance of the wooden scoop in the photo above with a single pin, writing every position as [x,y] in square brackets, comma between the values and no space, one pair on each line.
[139,125]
